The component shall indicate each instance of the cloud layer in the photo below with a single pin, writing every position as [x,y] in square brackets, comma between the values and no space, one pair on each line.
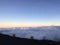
[47,32]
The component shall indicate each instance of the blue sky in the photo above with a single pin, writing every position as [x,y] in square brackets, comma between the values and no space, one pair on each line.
[30,12]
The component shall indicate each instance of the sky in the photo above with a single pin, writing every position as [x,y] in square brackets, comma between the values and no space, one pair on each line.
[29,13]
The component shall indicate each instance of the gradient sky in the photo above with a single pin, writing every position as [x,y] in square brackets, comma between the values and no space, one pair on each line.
[29,12]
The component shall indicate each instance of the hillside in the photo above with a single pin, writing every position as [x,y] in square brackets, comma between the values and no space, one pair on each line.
[8,40]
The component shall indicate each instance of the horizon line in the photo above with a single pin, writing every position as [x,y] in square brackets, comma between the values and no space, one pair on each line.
[28,26]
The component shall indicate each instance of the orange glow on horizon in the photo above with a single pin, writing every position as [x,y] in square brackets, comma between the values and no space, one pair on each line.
[25,25]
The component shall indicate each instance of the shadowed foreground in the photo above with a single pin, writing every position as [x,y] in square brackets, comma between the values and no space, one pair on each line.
[8,40]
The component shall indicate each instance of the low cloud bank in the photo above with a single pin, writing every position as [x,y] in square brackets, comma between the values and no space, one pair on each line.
[47,32]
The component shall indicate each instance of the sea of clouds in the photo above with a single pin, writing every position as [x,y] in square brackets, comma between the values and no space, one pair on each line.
[39,33]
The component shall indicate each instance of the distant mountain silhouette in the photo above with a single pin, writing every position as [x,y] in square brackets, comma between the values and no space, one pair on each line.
[8,40]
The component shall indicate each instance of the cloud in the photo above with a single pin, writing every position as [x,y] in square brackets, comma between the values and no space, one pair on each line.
[49,32]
